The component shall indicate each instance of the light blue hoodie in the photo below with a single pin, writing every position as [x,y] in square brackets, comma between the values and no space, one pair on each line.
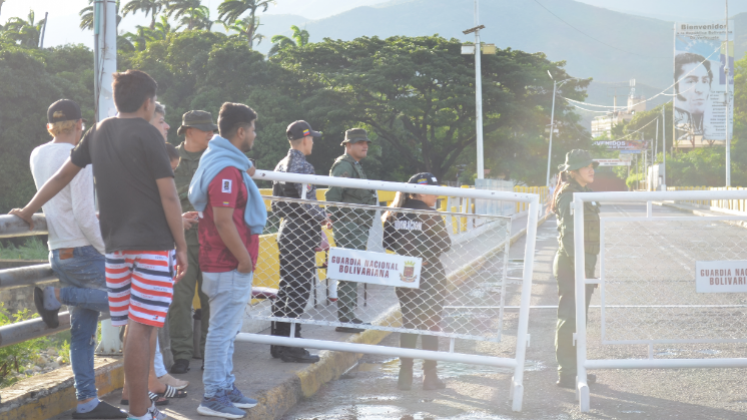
[219,155]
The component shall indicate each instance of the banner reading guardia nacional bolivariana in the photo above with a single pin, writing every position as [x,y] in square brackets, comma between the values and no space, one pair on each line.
[699,57]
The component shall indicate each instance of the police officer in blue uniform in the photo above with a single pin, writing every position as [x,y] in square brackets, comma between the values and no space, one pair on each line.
[299,234]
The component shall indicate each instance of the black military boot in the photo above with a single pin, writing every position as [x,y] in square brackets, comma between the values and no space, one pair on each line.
[430,372]
[431,381]
[406,341]
[296,355]
[281,329]
[404,381]
[569,381]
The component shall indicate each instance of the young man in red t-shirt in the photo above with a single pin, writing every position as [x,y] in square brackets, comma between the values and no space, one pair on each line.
[232,217]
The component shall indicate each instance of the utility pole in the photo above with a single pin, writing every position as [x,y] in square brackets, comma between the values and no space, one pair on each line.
[664,145]
[655,148]
[478,95]
[105,64]
[105,40]
[478,91]
[645,162]
[726,99]
[552,128]
[44,29]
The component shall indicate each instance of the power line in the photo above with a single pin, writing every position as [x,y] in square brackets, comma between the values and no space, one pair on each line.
[601,42]
[604,111]
[636,131]
[662,93]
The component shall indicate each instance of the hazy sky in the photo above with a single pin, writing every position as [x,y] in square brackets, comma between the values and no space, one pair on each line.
[63,14]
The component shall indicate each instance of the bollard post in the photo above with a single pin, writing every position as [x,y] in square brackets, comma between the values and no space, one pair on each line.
[110,344]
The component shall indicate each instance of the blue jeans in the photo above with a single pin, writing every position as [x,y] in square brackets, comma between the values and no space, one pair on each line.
[84,290]
[228,294]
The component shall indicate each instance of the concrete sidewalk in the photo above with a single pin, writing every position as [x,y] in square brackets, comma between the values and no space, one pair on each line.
[277,385]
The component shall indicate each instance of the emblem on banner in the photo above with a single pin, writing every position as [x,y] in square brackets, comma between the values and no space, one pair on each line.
[408,276]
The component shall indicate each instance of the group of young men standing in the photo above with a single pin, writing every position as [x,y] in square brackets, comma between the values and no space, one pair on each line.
[167,225]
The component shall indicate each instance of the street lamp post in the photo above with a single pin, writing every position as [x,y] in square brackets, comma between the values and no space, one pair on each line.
[478,93]
[664,145]
[726,100]
[552,120]
[552,127]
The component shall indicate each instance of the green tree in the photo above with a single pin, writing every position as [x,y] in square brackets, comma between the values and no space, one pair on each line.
[417,96]
[152,7]
[244,28]
[162,29]
[24,32]
[299,38]
[31,80]
[178,8]
[86,16]
[139,39]
[196,18]
[231,10]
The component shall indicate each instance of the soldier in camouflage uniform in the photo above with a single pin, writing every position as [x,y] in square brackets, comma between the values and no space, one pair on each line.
[351,226]
[299,234]
[575,175]
[197,128]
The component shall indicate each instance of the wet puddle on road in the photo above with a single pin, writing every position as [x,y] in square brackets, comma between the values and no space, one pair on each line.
[390,367]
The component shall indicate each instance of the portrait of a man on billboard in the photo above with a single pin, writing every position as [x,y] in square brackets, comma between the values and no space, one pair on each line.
[693,79]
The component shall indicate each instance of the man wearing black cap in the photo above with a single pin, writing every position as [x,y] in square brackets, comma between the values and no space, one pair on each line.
[76,255]
[197,128]
[351,225]
[299,234]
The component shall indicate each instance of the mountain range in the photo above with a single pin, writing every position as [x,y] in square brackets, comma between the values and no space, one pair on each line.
[610,46]
[611,41]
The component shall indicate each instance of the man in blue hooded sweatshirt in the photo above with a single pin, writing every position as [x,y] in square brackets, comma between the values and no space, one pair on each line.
[232,215]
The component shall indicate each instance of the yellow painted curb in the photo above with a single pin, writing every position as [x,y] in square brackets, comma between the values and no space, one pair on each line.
[45,396]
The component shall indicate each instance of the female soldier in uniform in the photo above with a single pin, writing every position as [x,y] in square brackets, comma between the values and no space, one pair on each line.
[575,176]
[423,235]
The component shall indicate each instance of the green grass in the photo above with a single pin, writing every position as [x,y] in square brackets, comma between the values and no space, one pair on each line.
[32,249]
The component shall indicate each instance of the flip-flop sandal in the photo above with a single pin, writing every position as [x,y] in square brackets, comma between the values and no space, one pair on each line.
[157,399]
[172,392]
[176,383]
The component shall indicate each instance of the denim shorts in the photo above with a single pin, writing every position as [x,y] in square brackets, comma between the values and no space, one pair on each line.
[82,267]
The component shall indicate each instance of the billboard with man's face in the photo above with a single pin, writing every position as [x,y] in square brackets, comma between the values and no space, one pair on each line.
[700,85]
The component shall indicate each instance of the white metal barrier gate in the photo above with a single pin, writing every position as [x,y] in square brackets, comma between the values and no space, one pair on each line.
[464,281]
[657,310]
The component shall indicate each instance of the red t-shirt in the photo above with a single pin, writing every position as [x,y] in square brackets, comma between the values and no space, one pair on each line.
[227,189]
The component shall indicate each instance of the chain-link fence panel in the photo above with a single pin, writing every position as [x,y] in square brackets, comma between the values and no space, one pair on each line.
[647,304]
[670,289]
[438,270]
[427,268]
[649,280]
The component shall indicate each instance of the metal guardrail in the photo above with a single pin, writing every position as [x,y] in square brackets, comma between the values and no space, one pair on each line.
[26,276]
[13,227]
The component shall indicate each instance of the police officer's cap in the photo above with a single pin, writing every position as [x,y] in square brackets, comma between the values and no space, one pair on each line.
[423,178]
[577,159]
[355,135]
[300,129]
